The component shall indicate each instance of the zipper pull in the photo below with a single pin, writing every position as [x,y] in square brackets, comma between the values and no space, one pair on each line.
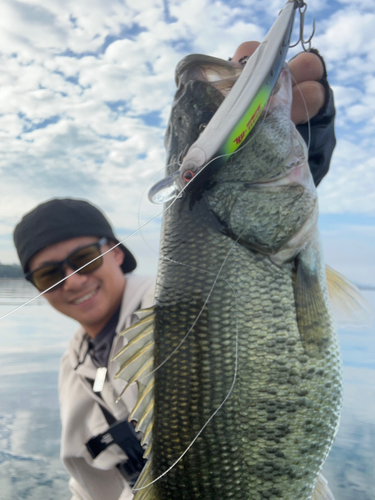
[100,376]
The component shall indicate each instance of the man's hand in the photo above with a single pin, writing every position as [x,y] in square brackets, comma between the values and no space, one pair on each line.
[306,69]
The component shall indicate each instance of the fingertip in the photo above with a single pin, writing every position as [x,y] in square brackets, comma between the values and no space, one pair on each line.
[245,49]
[305,67]
[308,100]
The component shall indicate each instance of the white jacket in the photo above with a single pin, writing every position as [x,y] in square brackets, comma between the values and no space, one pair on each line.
[81,415]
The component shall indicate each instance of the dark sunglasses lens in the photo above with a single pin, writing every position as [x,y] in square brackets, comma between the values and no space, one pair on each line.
[85,255]
[47,276]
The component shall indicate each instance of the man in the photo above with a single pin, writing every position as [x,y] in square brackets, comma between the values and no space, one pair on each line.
[52,241]
[98,446]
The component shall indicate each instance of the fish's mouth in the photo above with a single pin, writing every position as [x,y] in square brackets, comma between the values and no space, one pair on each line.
[202,84]
[219,73]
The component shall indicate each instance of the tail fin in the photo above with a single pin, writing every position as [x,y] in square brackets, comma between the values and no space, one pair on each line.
[322,491]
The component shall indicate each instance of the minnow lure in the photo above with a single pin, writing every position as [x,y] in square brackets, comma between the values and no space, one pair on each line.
[240,110]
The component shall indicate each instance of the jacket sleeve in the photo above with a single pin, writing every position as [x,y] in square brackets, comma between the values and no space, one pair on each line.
[78,492]
[322,132]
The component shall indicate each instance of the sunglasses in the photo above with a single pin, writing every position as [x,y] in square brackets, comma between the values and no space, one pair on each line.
[49,274]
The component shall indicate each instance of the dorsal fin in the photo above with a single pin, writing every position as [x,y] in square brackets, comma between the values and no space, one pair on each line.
[348,305]
[137,364]
[131,367]
[145,397]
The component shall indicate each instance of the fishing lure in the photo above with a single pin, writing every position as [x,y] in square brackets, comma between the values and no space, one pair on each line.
[241,109]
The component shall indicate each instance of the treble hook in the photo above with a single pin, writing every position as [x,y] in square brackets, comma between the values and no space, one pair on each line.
[302,6]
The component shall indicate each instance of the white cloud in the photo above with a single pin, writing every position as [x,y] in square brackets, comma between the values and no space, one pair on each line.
[346,96]
[346,33]
[349,186]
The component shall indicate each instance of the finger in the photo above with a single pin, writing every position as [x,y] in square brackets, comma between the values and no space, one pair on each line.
[306,67]
[308,99]
[245,49]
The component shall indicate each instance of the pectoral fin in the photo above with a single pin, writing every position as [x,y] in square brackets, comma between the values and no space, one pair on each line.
[348,305]
[313,317]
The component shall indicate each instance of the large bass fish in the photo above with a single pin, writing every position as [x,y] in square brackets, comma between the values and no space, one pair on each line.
[238,364]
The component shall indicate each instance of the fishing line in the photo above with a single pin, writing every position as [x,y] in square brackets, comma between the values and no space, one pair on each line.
[93,260]
[236,358]
[307,112]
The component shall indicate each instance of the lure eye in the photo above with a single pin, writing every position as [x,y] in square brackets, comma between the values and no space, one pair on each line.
[188,175]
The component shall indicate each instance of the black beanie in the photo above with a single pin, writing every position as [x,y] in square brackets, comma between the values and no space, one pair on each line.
[59,220]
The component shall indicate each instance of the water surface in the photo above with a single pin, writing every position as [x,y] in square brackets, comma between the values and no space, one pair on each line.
[32,342]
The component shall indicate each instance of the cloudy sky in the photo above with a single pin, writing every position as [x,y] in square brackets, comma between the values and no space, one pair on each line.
[85,93]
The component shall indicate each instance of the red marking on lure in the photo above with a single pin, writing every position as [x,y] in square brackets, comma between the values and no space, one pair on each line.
[240,138]
[249,125]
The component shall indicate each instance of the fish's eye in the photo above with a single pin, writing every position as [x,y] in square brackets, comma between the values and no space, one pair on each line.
[188,175]
[202,126]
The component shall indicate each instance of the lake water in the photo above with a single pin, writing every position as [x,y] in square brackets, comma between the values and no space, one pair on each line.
[32,342]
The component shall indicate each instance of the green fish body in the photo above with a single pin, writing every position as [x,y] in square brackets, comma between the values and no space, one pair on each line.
[239,372]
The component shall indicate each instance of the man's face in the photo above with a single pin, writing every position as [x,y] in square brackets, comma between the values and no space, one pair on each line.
[90,299]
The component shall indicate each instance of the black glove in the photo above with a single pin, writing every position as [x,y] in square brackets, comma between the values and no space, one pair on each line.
[322,132]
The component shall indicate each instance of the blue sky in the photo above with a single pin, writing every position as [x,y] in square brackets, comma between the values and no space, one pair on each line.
[85,94]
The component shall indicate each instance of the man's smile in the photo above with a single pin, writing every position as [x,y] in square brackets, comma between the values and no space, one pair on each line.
[86,297]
